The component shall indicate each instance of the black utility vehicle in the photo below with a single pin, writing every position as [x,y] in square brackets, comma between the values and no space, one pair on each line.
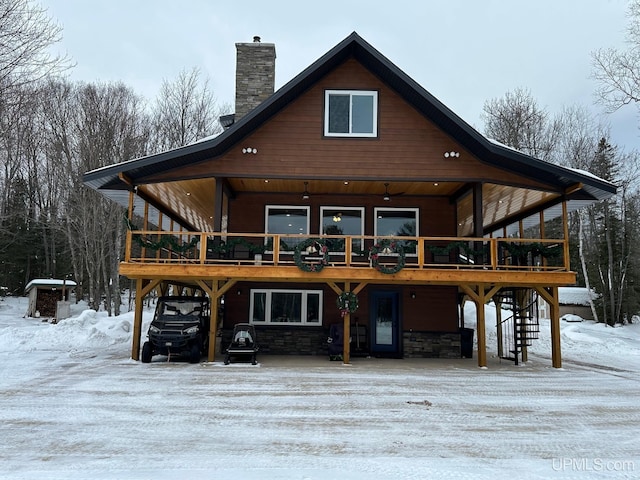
[180,326]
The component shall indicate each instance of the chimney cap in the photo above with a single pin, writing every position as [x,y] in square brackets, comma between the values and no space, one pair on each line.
[256,39]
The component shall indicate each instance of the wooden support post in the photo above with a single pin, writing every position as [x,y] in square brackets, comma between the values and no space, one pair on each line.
[143,287]
[137,321]
[213,322]
[346,352]
[348,248]
[494,253]
[127,248]
[479,298]
[565,220]
[215,292]
[499,327]
[482,334]
[543,236]
[159,236]
[556,355]
[550,295]
[145,226]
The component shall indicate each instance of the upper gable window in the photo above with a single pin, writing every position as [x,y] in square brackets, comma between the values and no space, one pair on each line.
[350,113]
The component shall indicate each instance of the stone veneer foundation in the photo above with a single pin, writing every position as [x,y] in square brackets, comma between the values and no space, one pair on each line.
[313,341]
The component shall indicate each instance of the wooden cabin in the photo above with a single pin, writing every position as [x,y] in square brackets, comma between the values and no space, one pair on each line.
[350,196]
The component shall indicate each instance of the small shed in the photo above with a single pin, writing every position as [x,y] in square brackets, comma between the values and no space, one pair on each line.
[45,294]
[573,300]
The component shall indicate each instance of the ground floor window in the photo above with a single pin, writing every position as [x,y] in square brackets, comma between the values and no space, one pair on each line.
[285,307]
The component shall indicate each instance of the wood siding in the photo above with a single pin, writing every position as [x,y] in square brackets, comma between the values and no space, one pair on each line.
[292,145]
[247,211]
[434,308]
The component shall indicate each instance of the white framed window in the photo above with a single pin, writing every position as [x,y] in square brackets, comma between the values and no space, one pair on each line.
[290,221]
[350,113]
[342,221]
[398,222]
[286,307]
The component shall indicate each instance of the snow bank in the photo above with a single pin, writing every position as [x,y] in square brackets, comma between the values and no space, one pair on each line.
[86,330]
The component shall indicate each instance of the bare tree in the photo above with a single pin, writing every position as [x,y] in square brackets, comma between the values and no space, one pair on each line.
[26,33]
[185,111]
[90,126]
[618,71]
[579,133]
[516,121]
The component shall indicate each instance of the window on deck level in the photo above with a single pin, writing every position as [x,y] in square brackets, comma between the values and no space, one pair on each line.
[351,113]
[398,222]
[291,222]
[342,221]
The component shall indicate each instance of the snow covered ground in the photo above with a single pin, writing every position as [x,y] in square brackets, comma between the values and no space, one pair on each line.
[73,405]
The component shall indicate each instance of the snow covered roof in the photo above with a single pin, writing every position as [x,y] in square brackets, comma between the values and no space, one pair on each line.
[48,282]
[575,295]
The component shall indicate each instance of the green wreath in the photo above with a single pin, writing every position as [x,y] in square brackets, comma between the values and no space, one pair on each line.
[393,247]
[320,247]
[347,302]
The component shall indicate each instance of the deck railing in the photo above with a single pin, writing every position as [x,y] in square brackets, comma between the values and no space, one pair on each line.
[356,251]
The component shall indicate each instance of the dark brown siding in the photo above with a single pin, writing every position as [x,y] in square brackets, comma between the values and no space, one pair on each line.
[434,309]
[291,144]
[437,215]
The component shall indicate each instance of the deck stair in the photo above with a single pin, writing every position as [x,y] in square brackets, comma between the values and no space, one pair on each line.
[519,327]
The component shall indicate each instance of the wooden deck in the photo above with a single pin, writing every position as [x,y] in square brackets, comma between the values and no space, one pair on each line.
[426,260]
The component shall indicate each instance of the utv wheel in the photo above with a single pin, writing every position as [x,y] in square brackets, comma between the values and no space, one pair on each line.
[147,352]
[194,354]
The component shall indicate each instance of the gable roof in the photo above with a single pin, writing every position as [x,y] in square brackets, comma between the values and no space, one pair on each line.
[113,180]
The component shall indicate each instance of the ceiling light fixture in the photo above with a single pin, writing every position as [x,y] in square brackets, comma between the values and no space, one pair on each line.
[305,194]
[337,217]
[386,196]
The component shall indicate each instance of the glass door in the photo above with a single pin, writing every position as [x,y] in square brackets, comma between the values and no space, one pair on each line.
[385,323]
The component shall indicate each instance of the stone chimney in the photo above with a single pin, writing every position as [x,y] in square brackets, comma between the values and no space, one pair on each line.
[255,75]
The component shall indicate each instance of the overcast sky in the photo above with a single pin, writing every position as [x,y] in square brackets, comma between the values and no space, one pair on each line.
[464,52]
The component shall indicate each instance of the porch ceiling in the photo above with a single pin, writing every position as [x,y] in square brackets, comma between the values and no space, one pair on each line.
[343,187]
[192,201]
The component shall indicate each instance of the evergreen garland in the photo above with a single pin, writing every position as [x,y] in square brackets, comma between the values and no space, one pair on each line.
[223,247]
[166,241]
[536,248]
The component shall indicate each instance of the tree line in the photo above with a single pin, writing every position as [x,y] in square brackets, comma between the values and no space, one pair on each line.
[53,130]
